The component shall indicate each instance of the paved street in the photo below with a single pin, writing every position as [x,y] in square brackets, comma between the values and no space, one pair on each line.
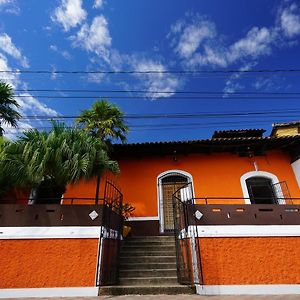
[177,297]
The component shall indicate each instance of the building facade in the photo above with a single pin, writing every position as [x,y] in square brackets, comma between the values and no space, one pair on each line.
[232,202]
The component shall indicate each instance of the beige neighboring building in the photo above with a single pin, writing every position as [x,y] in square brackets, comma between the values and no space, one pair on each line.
[290,129]
[283,129]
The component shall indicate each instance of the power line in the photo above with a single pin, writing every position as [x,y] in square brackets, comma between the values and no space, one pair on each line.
[175,115]
[150,71]
[154,92]
[220,97]
[163,126]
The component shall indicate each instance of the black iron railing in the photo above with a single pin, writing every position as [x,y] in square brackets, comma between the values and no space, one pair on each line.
[187,249]
[241,200]
[75,212]
[190,212]
[110,239]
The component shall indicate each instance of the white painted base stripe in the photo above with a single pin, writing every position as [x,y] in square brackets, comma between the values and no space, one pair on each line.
[155,218]
[244,230]
[255,289]
[49,292]
[54,232]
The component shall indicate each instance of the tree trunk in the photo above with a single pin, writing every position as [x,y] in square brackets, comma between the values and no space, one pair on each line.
[97,189]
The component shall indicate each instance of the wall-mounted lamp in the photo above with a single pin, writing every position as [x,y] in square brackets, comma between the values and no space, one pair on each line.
[174,155]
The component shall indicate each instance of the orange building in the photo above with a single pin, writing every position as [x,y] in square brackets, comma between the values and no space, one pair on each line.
[239,194]
[233,167]
[232,201]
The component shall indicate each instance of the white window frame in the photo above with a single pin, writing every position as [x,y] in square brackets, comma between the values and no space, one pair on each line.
[264,174]
[160,203]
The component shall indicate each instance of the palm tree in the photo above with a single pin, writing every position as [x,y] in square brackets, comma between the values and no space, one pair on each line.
[4,182]
[8,114]
[49,161]
[105,121]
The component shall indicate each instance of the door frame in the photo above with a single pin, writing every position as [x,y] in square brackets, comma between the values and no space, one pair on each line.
[265,174]
[160,204]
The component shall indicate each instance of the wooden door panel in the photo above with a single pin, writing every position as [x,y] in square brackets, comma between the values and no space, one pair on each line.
[167,191]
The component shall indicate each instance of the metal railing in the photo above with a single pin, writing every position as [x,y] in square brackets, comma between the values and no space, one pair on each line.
[221,211]
[182,243]
[55,212]
[110,238]
[241,200]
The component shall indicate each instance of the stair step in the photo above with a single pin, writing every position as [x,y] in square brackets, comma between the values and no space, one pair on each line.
[148,280]
[158,265]
[151,240]
[149,243]
[148,273]
[147,259]
[147,253]
[146,290]
[152,237]
[144,248]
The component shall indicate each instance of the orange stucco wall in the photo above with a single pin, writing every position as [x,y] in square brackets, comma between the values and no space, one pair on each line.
[271,260]
[48,263]
[214,175]
[87,189]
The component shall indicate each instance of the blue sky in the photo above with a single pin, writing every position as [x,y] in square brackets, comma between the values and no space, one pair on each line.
[160,36]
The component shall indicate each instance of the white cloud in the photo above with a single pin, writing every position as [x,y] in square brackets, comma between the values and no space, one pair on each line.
[9,6]
[257,42]
[290,20]
[232,85]
[7,46]
[31,105]
[211,56]
[64,53]
[187,38]
[167,83]
[69,14]
[192,37]
[54,75]
[28,104]
[201,46]
[11,78]
[98,3]
[11,132]
[196,42]
[95,38]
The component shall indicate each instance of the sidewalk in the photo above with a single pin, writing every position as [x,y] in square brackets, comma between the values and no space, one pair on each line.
[178,297]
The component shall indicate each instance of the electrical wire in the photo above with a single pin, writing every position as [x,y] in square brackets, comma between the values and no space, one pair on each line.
[224,97]
[178,115]
[154,92]
[292,70]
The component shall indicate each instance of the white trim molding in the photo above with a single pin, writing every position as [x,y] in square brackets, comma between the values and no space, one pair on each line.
[251,289]
[241,231]
[49,292]
[154,218]
[159,179]
[99,260]
[296,168]
[260,174]
[54,232]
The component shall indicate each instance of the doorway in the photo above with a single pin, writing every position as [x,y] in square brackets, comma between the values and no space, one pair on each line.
[261,190]
[168,184]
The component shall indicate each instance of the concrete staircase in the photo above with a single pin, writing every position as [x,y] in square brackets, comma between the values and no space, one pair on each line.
[148,266]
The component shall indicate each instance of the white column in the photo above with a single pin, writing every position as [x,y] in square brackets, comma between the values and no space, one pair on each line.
[296,168]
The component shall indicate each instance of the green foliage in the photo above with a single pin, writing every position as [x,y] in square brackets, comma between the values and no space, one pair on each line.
[6,180]
[8,114]
[105,121]
[62,156]
[127,210]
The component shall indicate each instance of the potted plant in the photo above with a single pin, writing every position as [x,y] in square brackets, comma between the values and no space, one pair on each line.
[127,212]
